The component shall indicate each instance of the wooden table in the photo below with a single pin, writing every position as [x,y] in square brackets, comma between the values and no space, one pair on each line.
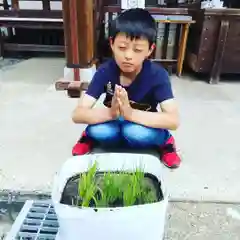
[185,24]
[214,43]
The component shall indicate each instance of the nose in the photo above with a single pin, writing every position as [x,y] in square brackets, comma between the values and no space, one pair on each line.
[128,54]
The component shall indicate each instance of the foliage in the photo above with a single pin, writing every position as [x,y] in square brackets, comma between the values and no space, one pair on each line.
[87,187]
[113,189]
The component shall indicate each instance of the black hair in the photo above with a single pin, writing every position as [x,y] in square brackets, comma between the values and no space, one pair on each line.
[135,23]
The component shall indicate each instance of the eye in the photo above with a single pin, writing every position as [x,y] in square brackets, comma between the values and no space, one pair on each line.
[138,50]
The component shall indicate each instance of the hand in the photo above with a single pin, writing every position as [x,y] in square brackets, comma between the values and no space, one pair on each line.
[115,108]
[123,101]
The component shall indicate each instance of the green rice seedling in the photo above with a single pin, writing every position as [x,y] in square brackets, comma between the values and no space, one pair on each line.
[111,190]
[132,189]
[87,187]
[114,189]
[105,184]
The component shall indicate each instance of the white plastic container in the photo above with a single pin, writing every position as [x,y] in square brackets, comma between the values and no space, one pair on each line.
[140,222]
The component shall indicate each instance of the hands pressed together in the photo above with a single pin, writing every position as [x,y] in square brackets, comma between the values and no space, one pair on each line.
[120,103]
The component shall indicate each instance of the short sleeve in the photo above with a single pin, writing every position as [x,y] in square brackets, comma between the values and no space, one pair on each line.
[163,90]
[97,86]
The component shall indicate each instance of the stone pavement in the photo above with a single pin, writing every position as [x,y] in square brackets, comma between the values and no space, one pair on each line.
[191,221]
[36,132]
[36,136]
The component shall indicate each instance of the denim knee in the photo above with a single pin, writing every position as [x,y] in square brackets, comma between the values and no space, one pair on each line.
[109,131]
[138,135]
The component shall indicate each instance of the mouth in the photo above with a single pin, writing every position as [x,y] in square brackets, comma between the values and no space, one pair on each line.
[127,64]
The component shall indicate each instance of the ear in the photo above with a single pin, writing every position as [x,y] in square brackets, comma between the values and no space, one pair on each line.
[111,42]
[151,49]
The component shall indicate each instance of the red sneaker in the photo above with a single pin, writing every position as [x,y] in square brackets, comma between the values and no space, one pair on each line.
[168,154]
[83,146]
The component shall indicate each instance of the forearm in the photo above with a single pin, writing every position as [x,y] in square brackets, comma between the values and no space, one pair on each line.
[92,115]
[154,119]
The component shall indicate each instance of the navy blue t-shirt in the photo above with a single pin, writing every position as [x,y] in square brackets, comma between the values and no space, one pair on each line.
[151,86]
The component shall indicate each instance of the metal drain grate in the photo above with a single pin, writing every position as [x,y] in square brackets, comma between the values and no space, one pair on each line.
[36,221]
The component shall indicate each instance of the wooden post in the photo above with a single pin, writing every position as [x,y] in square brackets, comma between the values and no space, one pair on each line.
[15,4]
[219,53]
[46,5]
[182,48]
[78,33]
[1,45]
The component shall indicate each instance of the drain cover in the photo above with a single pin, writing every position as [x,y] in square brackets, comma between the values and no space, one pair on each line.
[36,221]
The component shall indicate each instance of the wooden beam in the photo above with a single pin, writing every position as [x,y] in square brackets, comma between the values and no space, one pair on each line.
[78,29]
[152,10]
[219,53]
[32,14]
[46,5]
[85,31]
[182,48]
[15,4]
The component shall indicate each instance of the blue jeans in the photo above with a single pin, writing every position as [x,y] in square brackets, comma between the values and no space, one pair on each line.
[120,132]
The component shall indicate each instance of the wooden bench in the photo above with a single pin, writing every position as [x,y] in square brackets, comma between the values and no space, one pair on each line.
[26,19]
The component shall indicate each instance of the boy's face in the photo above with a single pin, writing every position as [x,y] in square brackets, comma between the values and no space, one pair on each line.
[130,54]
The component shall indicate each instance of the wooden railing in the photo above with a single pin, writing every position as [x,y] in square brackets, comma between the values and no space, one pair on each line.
[158,3]
[31,9]
[30,24]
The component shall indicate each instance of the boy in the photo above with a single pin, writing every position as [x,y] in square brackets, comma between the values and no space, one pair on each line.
[134,86]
